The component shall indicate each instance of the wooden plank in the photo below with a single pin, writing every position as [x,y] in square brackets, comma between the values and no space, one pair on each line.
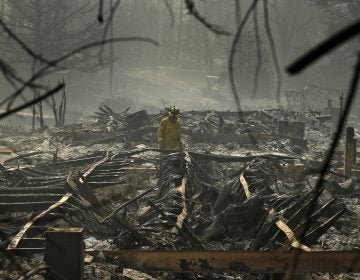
[280,261]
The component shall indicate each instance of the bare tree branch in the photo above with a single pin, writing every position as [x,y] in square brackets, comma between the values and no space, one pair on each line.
[258,53]
[30,103]
[22,44]
[100,15]
[273,51]
[325,47]
[107,26]
[218,30]
[81,10]
[53,63]
[233,52]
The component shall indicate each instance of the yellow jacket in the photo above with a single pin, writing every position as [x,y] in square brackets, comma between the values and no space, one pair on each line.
[169,134]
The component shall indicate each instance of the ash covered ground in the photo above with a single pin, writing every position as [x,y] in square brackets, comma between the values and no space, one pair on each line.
[236,180]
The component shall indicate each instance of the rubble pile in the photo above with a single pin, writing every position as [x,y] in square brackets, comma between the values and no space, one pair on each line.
[113,121]
[224,193]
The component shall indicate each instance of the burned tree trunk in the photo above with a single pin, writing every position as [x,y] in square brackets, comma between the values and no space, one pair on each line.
[59,113]
[41,114]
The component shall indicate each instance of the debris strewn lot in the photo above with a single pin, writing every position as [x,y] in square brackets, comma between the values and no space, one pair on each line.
[241,184]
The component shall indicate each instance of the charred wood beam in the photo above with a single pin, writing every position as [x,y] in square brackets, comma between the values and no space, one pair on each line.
[32,232]
[96,185]
[32,174]
[299,230]
[114,163]
[47,185]
[313,235]
[25,252]
[224,158]
[84,194]
[139,237]
[237,261]
[290,211]
[46,181]
[24,206]
[32,243]
[109,169]
[38,172]
[105,176]
[94,165]
[283,203]
[74,162]
[33,272]
[82,190]
[280,223]
[11,198]
[302,213]
[32,190]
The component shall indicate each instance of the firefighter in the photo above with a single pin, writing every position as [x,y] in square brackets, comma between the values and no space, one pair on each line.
[169,132]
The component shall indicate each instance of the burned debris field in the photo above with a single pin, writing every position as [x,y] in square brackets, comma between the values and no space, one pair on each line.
[111,180]
[179,139]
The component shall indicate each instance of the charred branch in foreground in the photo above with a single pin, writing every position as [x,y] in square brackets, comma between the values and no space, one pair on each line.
[273,51]
[30,103]
[309,58]
[59,113]
[258,53]
[325,47]
[218,30]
